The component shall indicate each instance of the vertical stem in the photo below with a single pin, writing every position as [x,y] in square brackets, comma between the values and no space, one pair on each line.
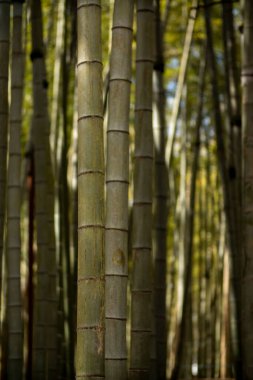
[142,209]
[90,291]
[181,80]
[190,230]
[223,168]
[225,358]
[117,178]
[39,138]
[160,206]
[14,307]
[45,314]
[247,193]
[30,285]
[202,283]
[61,24]
[4,113]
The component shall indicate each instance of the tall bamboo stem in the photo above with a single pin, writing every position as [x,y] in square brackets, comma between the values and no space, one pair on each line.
[45,305]
[4,114]
[90,290]
[116,234]
[14,306]
[223,168]
[160,203]
[247,194]
[181,80]
[141,291]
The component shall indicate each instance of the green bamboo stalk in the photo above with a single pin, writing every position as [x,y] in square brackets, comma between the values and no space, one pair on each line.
[72,276]
[116,233]
[4,114]
[224,173]
[233,103]
[142,282]
[61,25]
[190,229]
[247,194]
[225,347]
[52,268]
[90,292]
[160,205]
[208,256]
[181,80]
[14,305]
[202,281]
[45,314]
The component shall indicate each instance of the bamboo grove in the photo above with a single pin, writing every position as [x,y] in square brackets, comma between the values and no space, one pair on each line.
[126,189]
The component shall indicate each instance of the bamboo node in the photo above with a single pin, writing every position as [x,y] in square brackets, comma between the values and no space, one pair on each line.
[121,79]
[122,27]
[84,226]
[89,62]
[84,172]
[118,131]
[89,5]
[91,117]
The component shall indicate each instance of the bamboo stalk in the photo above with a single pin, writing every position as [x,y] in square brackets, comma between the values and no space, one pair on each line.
[190,228]
[14,305]
[45,312]
[4,115]
[247,195]
[223,168]
[90,290]
[142,283]
[181,80]
[61,25]
[117,178]
[160,205]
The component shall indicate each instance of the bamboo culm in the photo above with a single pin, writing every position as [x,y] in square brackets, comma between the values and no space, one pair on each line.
[142,283]
[247,195]
[117,179]
[90,277]
[4,115]
[14,304]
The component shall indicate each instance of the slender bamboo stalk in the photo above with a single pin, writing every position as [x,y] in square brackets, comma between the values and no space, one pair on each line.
[160,202]
[181,80]
[31,259]
[67,294]
[181,254]
[223,168]
[225,347]
[208,254]
[202,284]
[116,233]
[45,314]
[233,102]
[190,228]
[4,114]
[142,283]
[52,270]
[247,195]
[73,239]
[61,25]
[90,292]
[14,306]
